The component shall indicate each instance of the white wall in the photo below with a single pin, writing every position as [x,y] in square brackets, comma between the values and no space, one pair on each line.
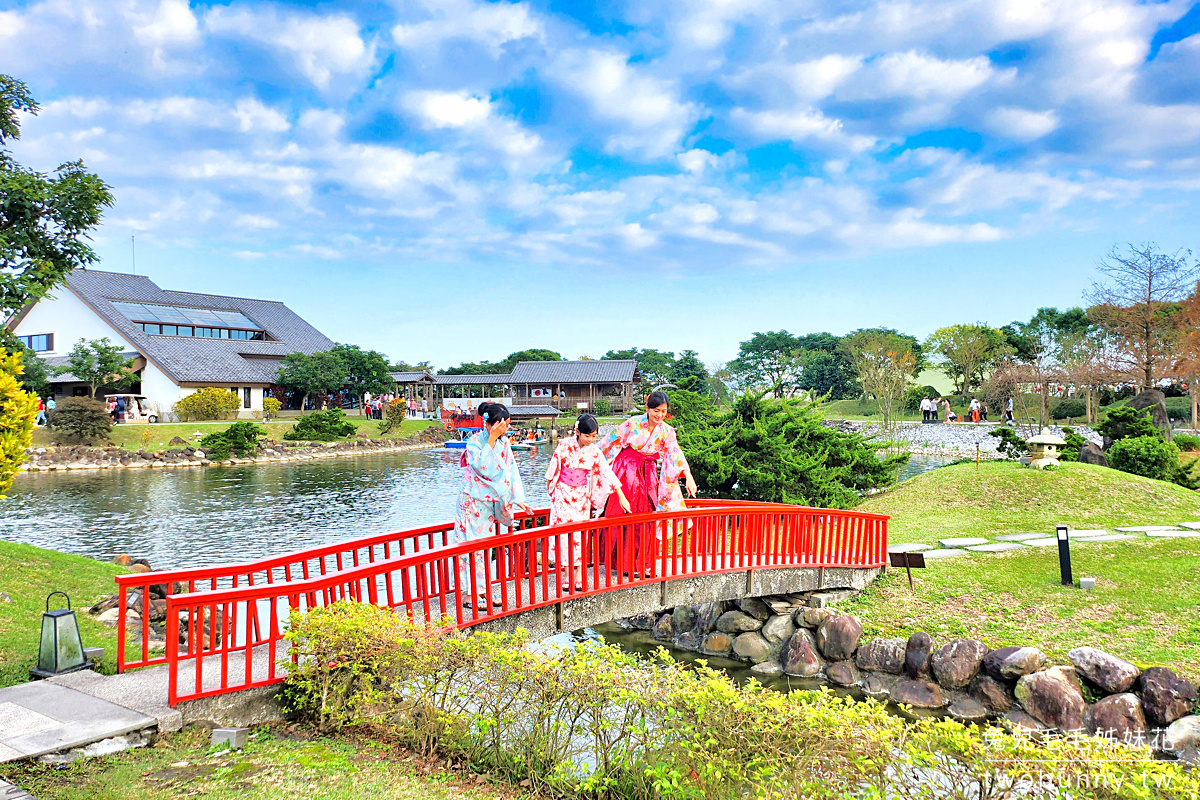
[69,319]
[256,396]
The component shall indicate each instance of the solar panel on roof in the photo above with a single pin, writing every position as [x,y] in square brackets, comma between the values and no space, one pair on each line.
[146,312]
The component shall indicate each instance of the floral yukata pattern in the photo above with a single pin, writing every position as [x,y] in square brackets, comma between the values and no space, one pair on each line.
[659,442]
[491,486]
[574,503]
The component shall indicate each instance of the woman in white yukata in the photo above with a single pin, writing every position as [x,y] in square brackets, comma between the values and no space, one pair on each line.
[491,487]
[578,480]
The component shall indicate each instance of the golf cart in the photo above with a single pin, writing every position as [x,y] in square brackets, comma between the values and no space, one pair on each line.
[136,409]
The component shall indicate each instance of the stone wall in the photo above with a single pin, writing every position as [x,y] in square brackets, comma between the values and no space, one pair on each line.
[1016,686]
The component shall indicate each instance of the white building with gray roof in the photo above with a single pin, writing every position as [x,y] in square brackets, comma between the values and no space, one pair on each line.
[179,341]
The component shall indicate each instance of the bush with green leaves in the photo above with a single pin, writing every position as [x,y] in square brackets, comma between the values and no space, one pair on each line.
[1148,456]
[603,407]
[394,414]
[1075,444]
[18,410]
[1012,444]
[211,402]
[1123,422]
[240,438]
[82,419]
[321,426]
[1068,409]
[1186,441]
[913,396]
[271,406]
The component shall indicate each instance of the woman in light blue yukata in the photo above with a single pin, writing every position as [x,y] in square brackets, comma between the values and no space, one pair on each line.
[491,487]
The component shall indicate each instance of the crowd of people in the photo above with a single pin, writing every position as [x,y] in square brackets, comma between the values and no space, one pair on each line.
[977,410]
[374,406]
[637,468]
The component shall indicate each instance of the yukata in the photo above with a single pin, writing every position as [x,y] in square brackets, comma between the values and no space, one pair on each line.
[580,480]
[649,464]
[491,486]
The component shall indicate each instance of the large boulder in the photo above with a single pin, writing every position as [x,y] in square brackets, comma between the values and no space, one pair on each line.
[752,647]
[1118,717]
[707,615]
[664,629]
[918,694]
[993,694]
[1092,453]
[843,673]
[778,629]
[878,687]
[1165,696]
[810,617]
[1156,401]
[683,618]
[755,608]
[642,622]
[967,710]
[1053,697]
[716,644]
[956,663]
[737,622]
[1109,674]
[882,655]
[1010,663]
[837,638]
[917,651]
[800,657]
[1182,734]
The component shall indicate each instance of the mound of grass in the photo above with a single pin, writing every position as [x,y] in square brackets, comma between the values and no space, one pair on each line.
[995,498]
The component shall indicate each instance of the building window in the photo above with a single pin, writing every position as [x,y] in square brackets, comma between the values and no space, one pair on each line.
[38,342]
[246,397]
[159,329]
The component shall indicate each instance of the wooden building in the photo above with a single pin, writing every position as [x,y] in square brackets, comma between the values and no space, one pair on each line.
[575,385]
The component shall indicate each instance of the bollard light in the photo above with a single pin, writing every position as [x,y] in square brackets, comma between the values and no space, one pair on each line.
[1064,556]
[61,648]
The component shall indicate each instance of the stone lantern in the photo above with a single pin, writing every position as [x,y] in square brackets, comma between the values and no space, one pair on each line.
[1044,449]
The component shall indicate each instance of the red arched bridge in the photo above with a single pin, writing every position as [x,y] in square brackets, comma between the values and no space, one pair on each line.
[225,624]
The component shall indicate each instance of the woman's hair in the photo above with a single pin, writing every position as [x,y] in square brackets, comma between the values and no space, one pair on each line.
[586,424]
[657,399]
[493,413]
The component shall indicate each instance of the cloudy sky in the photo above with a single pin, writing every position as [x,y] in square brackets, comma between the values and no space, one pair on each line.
[454,180]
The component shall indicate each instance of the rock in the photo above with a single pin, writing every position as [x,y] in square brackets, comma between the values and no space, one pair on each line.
[843,673]
[664,629]
[5,597]
[737,622]
[717,644]
[707,615]
[800,657]
[1156,401]
[109,617]
[837,638]
[1052,696]
[778,630]
[642,622]
[994,695]
[688,641]
[1182,734]
[882,655]
[177,441]
[876,688]
[956,663]
[752,646]
[123,560]
[918,694]
[1011,663]
[811,617]
[683,618]
[143,568]
[967,710]
[1117,717]
[1165,696]
[917,651]
[1110,674]
[1092,453]
[768,668]
[755,608]
[1018,719]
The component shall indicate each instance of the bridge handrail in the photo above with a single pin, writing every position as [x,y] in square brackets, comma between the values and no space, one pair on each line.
[716,538]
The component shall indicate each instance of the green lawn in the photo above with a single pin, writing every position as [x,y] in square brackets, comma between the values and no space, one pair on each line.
[28,574]
[274,766]
[130,436]
[999,497]
[1144,606]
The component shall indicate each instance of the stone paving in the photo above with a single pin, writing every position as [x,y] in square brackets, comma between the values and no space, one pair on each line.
[955,546]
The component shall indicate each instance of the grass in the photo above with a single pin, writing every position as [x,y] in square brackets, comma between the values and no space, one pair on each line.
[1002,497]
[275,765]
[28,574]
[1144,607]
[130,436]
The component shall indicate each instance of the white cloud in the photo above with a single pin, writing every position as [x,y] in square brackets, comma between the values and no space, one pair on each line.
[491,25]
[1021,123]
[255,222]
[450,109]
[802,125]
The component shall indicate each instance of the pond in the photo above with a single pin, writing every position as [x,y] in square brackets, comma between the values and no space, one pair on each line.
[179,518]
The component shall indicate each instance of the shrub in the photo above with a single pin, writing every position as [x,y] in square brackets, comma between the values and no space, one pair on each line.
[18,410]
[1066,409]
[1148,456]
[1075,443]
[81,418]
[1012,444]
[1186,441]
[240,438]
[602,407]
[1124,422]
[210,402]
[913,396]
[321,426]
[394,414]
[271,406]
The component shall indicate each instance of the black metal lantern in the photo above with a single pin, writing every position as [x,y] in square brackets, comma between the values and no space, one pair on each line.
[61,648]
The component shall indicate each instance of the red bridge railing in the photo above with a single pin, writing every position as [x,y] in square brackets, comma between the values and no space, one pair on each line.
[224,625]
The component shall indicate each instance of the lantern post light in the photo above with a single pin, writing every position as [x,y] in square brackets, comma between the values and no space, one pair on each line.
[61,646]
[1064,556]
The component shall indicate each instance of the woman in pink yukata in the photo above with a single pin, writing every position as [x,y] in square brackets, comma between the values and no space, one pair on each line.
[577,480]
[491,487]
[646,458]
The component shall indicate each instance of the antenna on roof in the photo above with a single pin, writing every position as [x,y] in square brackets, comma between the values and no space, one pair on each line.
[133,251]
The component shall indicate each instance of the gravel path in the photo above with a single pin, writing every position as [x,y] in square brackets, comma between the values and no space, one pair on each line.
[945,438]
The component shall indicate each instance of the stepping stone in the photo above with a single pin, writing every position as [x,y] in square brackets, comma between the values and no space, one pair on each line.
[1173,534]
[1112,537]
[948,553]
[998,547]
[962,541]
[1018,537]
[1086,534]
[1050,542]
[1193,525]
[908,547]
[1147,528]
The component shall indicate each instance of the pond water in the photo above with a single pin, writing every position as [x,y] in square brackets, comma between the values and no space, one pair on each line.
[179,518]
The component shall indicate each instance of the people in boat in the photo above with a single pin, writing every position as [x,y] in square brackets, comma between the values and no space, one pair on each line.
[491,487]
[578,479]
[646,458]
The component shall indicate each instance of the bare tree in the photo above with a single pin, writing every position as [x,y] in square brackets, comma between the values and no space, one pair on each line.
[1187,353]
[1138,304]
[885,362]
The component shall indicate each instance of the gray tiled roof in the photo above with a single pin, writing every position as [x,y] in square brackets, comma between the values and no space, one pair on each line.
[473,380]
[53,362]
[198,360]
[409,377]
[615,371]
[525,412]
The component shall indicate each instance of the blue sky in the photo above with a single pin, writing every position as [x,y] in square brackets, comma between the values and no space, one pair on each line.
[455,180]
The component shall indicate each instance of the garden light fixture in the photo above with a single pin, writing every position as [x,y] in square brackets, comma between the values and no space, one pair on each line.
[61,648]
[1064,556]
